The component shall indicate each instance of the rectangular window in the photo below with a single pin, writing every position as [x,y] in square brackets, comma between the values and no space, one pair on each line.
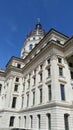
[62,92]
[66,121]
[23,86]
[29,84]
[27,100]
[17,79]
[60,71]
[14,102]
[30,47]
[11,121]
[41,67]
[39,123]
[49,121]
[34,80]
[59,60]
[16,88]
[48,72]
[70,64]
[22,101]
[35,71]
[41,77]
[18,66]
[49,92]
[0,88]
[48,61]
[71,74]
[34,98]
[41,95]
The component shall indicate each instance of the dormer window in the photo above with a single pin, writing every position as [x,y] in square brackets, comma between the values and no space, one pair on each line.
[30,47]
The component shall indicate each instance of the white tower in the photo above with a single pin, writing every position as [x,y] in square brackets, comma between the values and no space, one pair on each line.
[32,40]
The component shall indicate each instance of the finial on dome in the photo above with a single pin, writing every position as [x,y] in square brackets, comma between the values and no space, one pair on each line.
[38,25]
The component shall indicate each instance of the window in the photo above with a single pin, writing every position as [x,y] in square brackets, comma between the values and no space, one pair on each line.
[30,47]
[31,118]
[70,64]
[58,41]
[59,60]
[14,102]
[49,121]
[41,67]
[16,88]
[49,92]
[33,38]
[22,101]
[71,73]
[35,71]
[40,38]
[41,95]
[60,71]
[18,66]
[29,84]
[27,100]
[0,88]
[48,61]
[38,121]
[66,122]
[25,121]
[34,80]
[33,97]
[40,77]
[23,86]
[11,121]
[48,72]
[62,92]
[17,79]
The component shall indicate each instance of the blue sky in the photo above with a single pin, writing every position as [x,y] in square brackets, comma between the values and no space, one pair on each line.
[18,18]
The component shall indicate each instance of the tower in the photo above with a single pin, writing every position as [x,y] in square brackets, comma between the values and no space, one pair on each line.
[32,40]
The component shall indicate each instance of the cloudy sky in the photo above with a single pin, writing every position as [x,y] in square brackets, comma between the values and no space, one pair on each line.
[18,18]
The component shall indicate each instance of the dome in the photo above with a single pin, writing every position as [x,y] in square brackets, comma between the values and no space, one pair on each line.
[32,39]
[37,31]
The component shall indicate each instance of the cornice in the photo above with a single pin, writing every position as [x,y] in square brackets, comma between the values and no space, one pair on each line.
[2,73]
[48,105]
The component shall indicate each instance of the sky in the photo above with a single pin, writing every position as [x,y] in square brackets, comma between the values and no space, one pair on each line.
[19,17]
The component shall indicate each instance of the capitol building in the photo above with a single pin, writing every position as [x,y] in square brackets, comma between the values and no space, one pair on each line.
[36,89]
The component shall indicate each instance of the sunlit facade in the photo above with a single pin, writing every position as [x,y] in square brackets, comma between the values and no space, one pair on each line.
[36,90]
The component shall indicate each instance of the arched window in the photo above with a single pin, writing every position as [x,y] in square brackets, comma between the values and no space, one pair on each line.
[30,47]
[49,120]
[66,121]
[39,121]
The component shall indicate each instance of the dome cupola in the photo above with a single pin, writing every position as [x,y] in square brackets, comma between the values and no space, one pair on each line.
[32,39]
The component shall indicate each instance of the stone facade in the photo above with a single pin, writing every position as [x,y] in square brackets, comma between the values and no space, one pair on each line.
[36,90]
